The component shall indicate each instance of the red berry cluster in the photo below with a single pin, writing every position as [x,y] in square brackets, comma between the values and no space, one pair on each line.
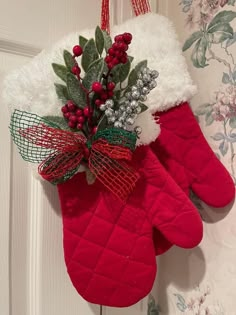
[117,53]
[77,51]
[75,116]
[103,93]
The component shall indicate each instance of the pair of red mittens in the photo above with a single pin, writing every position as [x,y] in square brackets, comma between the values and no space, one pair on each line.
[108,245]
[187,157]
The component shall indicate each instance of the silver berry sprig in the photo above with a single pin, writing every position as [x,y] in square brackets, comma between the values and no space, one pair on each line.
[129,106]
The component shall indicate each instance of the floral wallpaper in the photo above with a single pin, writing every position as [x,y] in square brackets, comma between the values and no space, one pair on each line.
[211,28]
[202,281]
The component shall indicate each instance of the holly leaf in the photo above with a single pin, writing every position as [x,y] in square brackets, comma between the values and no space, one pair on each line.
[220,33]
[99,39]
[60,70]
[143,107]
[232,122]
[89,55]
[62,92]
[75,91]
[69,60]
[218,136]
[199,53]
[82,41]
[192,39]
[102,123]
[131,59]
[117,94]
[107,40]
[133,76]
[223,17]
[223,147]
[58,122]
[121,72]
[94,73]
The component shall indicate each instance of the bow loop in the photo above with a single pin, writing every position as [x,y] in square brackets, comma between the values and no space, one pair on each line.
[61,152]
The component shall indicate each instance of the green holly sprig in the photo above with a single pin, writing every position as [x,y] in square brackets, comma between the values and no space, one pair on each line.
[109,94]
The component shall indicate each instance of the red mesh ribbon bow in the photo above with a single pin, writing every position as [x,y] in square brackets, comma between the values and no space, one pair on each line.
[61,152]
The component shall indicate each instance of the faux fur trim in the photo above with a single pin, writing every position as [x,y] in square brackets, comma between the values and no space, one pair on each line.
[155,39]
[31,88]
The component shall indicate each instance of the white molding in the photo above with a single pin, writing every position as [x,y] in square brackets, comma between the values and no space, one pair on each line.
[154,5]
[17,48]
[163,7]
[34,247]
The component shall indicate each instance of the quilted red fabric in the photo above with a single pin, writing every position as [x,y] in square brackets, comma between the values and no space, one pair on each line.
[186,155]
[184,152]
[108,246]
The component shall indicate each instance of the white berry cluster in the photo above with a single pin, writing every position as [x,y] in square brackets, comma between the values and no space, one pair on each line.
[129,106]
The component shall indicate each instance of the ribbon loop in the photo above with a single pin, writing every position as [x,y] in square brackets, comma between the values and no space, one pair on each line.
[60,152]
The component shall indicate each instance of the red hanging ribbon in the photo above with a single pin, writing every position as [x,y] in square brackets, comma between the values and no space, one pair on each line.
[105,16]
[140,6]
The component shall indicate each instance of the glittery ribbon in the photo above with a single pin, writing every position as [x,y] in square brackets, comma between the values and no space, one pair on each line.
[140,6]
[105,16]
[61,152]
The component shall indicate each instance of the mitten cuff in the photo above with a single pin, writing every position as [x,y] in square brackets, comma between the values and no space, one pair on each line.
[155,39]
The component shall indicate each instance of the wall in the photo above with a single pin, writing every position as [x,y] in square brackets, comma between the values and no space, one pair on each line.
[202,281]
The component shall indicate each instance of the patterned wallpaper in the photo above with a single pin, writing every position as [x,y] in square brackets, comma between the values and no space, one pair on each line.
[202,281]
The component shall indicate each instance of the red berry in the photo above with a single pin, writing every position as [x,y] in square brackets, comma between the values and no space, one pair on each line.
[97,87]
[123,46]
[124,59]
[115,61]
[98,102]
[79,112]
[110,65]
[111,86]
[71,106]
[81,119]
[71,124]
[118,38]
[119,54]
[108,59]
[111,51]
[80,126]
[86,111]
[67,115]
[64,109]
[110,93]
[115,46]
[127,37]
[73,118]
[104,96]
[94,130]
[77,50]
[76,70]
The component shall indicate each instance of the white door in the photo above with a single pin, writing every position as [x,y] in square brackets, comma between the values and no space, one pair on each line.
[33,278]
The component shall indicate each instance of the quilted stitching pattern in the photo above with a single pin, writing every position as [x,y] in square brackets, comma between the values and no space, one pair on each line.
[108,246]
[183,150]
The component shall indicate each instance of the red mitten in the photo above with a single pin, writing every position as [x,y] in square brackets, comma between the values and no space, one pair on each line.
[190,160]
[108,245]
